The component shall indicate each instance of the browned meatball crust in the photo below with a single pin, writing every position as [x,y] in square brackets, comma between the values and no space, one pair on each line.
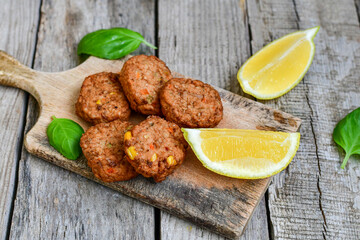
[155,148]
[101,99]
[141,78]
[191,103]
[103,147]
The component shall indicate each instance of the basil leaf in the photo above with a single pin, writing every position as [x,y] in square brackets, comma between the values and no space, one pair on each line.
[64,135]
[347,134]
[111,43]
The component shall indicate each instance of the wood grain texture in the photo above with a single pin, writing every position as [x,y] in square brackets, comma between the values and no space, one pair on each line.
[314,198]
[18,38]
[56,204]
[333,91]
[192,192]
[210,45]
[357,6]
[175,228]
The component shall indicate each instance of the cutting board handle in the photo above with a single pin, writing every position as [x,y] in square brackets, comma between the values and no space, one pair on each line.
[15,74]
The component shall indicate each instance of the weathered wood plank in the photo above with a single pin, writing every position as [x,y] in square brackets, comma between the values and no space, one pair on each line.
[333,91]
[53,203]
[314,198]
[269,20]
[17,38]
[207,40]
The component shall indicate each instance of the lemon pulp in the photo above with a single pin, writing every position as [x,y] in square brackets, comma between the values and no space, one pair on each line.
[279,66]
[243,153]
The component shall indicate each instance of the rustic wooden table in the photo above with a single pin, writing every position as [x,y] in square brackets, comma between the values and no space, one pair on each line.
[209,40]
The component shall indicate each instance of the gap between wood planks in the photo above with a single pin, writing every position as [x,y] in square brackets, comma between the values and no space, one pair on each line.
[357,6]
[157,211]
[313,134]
[19,145]
[270,225]
[266,195]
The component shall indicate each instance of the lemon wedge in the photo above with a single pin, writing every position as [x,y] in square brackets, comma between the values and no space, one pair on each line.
[279,66]
[248,154]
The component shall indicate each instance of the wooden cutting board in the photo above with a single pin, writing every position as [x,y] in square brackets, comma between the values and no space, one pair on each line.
[221,204]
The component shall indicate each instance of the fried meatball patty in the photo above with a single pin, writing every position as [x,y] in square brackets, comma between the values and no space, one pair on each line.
[141,78]
[103,147]
[101,99]
[191,103]
[155,147]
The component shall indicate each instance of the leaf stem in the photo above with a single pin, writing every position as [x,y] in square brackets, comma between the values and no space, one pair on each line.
[345,160]
[149,44]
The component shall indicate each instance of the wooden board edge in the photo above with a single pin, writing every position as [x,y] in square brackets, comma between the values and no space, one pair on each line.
[257,204]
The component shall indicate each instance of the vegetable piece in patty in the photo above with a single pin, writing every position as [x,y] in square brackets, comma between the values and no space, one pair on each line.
[103,147]
[101,99]
[191,103]
[155,147]
[142,78]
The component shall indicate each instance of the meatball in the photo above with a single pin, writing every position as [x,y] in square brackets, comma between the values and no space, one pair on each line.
[191,103]
[142,78]
[101,99]
[155,147]
[103,147]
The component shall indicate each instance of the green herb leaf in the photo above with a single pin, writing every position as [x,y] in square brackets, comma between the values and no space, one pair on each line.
[111,43]
[64,135]
[347,134]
